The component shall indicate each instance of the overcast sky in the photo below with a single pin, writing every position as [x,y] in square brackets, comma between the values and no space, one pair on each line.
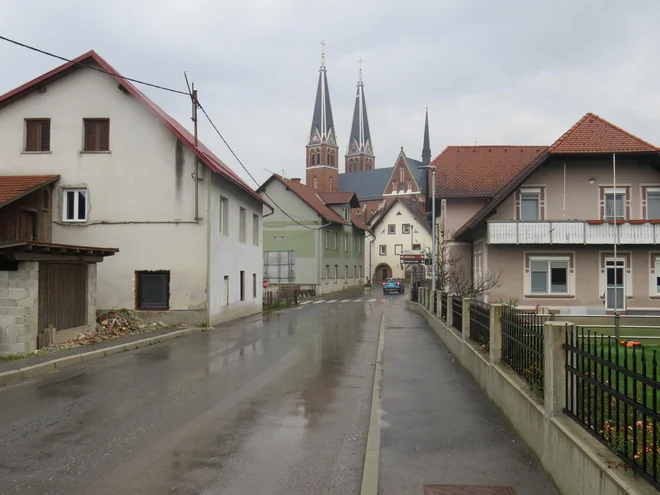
[500,71]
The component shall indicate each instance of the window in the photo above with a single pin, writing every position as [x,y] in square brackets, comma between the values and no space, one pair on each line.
[242,285]
[355,272]
[382,249]
[97,135]
[153,290]
[346,242]
[46,197]
[345,274]
[254,285]
[315,182]
[615,292]
[402,176]
[327,234]
[345,214]
[398,248]
[242,220]
[409,186]
[327,273]
[330,181]
[336,241]
[549,276]
[405,228]
[416,247]
[255,229]
[657,275]
[224,215]
[336,272]
[653,204]
[615,202]
[226,293]
[530,205]
[361,275]
[37,135]
[391,229]
[359,241]
[75,205]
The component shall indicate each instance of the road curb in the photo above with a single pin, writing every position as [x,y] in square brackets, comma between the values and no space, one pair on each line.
[13,376]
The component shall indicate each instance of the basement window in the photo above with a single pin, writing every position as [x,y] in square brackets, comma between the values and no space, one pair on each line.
[152,290]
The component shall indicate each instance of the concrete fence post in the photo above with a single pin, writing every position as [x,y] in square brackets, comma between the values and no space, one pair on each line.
[495,343]
[466,319]
[554,373]
[423,293]
[450,310]
[438,313]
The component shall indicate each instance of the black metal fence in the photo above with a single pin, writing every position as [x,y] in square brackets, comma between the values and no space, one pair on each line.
[414,291]
[457,310]
[443,306]
[612,390]
[480,323]
[522,344]
[435,302]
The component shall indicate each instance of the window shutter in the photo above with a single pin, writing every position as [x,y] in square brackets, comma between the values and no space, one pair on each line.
[32,135]
[104,135]
[90,135]
[45,135]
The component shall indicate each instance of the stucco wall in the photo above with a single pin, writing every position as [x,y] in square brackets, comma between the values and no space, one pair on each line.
[458,211]
[582,198]
[586,276]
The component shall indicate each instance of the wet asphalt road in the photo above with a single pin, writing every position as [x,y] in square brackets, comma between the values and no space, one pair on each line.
[273,405]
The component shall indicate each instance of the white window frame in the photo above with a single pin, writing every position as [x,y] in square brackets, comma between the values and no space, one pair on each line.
[612,262]
[405,228]
[391,229]
[529,191]
[65,204]
[242,225]
[549,260]
[654,191]
[382,250]
[656,276]
[255,229]
[224,215]
[327,236]
[345,215]
[621,215]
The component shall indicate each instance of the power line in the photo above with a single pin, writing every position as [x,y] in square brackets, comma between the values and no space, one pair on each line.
[251,176]
[137,81]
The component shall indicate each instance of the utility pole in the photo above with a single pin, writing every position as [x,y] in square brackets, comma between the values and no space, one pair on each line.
[195,104]
[278,238]
[433,240]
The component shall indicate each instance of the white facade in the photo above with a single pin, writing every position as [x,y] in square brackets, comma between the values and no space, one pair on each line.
[140,198]
[391,237]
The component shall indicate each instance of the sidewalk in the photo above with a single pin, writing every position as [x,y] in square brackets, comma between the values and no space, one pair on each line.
[438,427]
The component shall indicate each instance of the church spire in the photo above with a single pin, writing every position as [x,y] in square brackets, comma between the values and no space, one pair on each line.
[322,150]
[426,150]
[360,152]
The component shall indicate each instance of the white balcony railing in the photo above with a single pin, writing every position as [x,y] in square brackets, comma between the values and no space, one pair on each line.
[571,232]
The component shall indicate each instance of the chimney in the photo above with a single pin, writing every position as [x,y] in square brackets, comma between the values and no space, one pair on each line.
[297,179]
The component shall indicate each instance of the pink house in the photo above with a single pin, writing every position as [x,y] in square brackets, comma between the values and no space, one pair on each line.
[550,219]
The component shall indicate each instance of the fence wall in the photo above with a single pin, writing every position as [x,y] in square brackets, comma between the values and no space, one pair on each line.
[577,462]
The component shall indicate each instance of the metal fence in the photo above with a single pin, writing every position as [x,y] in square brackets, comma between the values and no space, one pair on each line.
[612,390]
[414,291]
[522,344]
[480,323]
[443,306]
[457,310]
[435,302]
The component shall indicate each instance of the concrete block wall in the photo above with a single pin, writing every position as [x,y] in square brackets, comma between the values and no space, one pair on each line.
[19,309]
[91,295]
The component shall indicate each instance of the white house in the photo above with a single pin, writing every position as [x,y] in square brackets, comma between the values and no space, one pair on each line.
[400,226]
[187,227]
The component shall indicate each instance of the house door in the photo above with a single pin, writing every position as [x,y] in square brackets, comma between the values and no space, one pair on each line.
[615,295]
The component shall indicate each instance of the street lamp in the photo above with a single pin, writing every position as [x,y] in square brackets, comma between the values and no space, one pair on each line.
[279,238]
[433,270]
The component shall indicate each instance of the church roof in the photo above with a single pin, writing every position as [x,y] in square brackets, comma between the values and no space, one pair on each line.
[426,149]
[367,184]
[323,125]
[360,135]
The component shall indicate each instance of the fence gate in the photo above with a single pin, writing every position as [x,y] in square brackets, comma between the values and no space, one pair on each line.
[62,295]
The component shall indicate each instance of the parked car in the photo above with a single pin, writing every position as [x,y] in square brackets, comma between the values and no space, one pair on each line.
[393,285]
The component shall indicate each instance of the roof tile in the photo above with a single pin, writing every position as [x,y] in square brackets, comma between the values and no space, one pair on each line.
[14,186]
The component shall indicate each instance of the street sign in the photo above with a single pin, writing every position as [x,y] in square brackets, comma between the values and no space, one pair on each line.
[412,259]
[265,284]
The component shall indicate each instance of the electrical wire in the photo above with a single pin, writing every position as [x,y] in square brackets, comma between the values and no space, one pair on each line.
[64,59]
[251,176]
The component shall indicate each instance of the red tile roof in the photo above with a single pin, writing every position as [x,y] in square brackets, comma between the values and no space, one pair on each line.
[479,171]
[201,151]
[13,187]
[593,134]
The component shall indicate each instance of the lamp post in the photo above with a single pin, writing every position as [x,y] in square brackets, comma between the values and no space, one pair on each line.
[279,238]
[433,269]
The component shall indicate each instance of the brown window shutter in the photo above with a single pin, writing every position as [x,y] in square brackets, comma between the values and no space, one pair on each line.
[90,135]
[32,135]
[104,135]
[45,135]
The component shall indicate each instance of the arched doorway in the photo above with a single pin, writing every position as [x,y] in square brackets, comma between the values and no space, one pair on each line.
[382,272]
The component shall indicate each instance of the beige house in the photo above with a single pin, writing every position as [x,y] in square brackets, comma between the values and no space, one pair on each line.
[553,219]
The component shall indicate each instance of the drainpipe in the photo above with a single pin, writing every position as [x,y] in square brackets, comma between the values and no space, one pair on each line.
[371,248]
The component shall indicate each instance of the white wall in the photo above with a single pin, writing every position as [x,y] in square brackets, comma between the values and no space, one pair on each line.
[422,237]
[229,256]
[141,194]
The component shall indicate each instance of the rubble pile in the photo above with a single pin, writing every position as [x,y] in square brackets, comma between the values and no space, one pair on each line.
[109,325]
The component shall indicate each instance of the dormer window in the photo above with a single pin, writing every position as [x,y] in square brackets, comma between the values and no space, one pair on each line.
[345,214]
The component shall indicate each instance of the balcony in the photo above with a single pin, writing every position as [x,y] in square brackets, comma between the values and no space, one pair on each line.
[573,232]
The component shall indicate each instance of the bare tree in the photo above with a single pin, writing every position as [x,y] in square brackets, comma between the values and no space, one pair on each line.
[455,274]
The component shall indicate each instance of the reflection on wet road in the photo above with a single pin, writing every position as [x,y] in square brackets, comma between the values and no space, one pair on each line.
[278,404]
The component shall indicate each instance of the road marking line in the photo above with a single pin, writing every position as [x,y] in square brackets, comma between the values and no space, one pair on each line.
[305,302]
[359,300]
[371,300]
[344,300]
[372,454]
[334,300]
[319,302]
